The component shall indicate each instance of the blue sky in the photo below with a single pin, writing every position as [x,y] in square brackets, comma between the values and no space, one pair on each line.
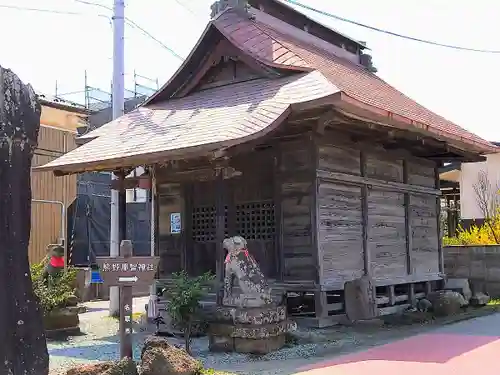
[43,47]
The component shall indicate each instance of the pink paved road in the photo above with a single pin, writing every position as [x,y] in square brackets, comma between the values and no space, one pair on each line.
[457,349]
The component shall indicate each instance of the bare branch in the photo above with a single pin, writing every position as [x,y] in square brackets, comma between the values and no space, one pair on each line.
[487,200]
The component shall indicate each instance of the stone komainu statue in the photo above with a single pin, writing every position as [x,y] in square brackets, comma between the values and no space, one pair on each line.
[242,269]
[56,262]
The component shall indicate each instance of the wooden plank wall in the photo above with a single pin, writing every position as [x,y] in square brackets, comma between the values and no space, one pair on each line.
[425,239]
[170,246]
[340,239]
[386,219]
[45,217]
[371,220]
[295,189]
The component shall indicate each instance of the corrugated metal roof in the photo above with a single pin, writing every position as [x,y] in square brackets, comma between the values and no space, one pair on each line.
[215,118]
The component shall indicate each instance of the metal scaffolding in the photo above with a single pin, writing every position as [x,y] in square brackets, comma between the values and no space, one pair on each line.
[96,99]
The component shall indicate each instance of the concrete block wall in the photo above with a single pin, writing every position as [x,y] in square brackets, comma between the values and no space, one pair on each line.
[479,264]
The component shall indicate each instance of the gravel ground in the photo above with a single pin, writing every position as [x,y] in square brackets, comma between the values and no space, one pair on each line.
[99,342]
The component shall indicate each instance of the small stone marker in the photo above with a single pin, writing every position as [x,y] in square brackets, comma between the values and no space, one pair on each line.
[126,271]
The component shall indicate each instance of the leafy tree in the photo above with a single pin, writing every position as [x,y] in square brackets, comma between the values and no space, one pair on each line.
[184,298]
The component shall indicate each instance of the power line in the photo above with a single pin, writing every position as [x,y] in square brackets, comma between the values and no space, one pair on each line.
[186,7]
[53,11]
[137,26]
[293,2]
[148,34]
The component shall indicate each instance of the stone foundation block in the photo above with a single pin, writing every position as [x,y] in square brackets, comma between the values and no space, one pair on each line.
[248,346]
[254,316]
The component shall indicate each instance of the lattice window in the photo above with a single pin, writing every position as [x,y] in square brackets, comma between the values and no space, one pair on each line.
[204,223]
[255,220]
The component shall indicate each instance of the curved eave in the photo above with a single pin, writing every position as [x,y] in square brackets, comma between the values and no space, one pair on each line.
[160,157]
[199,51]
[371,113]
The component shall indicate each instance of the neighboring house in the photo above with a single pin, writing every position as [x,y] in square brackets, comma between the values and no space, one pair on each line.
[466,178]
[89,217]
[449,176]
[51,196]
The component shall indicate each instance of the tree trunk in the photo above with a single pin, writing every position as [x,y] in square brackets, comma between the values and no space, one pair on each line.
[187,335]
[23,348]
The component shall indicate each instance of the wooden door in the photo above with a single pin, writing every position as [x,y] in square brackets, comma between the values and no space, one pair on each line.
[255,221]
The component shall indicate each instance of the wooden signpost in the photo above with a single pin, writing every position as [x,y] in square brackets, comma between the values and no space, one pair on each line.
[127,271]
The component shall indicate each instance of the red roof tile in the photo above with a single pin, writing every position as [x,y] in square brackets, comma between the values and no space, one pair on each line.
[352,79]
[252,39]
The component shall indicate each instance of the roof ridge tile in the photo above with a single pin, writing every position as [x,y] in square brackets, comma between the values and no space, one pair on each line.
[239,38]
[358,83]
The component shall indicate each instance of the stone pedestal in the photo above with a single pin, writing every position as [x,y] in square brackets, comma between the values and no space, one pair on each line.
[255,330]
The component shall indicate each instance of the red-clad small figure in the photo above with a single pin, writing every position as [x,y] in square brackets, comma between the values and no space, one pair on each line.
[56,262]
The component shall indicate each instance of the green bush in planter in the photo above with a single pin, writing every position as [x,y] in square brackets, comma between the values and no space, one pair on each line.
[54,292]
[184,297]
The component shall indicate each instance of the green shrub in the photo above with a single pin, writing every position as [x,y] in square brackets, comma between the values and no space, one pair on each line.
[53,292]
[184,298]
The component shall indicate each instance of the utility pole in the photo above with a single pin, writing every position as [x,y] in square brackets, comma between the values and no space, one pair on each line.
[118,92]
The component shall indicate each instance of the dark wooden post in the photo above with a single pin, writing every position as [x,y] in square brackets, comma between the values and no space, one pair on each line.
[438,218]
[364,216]
[219,232]
[126,271]
[122,207]
[187,230]
[408,229]
[126,307]
[278,215]
[320,298]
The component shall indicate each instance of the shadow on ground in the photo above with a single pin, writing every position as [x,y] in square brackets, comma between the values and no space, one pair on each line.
[98,351]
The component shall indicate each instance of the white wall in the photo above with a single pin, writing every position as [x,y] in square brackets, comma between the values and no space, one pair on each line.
[136,195]
[469,208]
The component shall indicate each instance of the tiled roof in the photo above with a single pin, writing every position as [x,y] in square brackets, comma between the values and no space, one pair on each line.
[251,38]
[215,118]
[228,115]
[352,79]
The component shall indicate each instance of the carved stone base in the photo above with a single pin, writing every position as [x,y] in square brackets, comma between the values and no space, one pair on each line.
[257,330]
[247,346]
[244,301]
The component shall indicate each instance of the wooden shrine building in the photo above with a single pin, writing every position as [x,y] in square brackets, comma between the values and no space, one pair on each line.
[275,128]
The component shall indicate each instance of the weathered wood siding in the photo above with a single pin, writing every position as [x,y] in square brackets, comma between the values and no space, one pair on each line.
[46,217]
[377,215]
[170,200]
[386,234]
[423,222]
[295,189]
[340,231]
